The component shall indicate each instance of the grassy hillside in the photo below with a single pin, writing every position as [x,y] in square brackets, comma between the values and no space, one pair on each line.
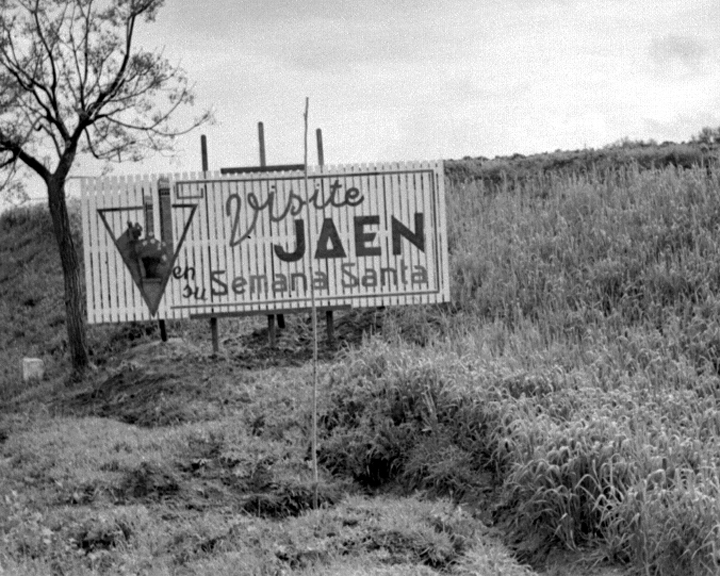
[566,402]
[31,309]
[541,170]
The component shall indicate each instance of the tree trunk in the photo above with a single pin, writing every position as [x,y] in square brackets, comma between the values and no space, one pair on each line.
[74,302]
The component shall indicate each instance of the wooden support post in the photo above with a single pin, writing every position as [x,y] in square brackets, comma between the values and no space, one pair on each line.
[329,323]
[261,141]
[214,335]
[163,330]
[320,153]
[271,318]
[329,327]
[204,153]
[213,321]
[272,335]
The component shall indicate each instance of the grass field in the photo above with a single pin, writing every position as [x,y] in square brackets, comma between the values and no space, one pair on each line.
[563,407]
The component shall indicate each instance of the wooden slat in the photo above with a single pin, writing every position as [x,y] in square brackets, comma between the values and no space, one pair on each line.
[425,205]
[109,281]
[173,290]
[442,231]
[107,266]
[284,234]
[216,248]
[193,241]
[329,267]
[97,230]
[409,254]
[238,252]
[393,202]
[385,211]
[377,207]
[131,198]
[100,268]
[204,244]
[88,239]
[344,219]
[363,182]
[222,192]
[261,264]
[143,196]
[126,287]
[123,284]
[317,179]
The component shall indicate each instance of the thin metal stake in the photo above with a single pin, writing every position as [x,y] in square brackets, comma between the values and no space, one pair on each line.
[314,323]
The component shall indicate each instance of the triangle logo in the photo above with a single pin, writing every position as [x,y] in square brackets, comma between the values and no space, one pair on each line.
[149,260]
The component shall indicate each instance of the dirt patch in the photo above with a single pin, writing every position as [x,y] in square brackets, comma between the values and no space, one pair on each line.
[142,385]
[265,488]
[150,482]
[134,397]
[102,533]
[159,384]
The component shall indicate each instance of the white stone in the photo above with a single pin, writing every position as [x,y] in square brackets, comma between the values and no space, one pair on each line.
[33,369]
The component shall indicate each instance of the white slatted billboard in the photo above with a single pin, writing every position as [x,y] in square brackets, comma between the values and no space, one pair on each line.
[210,244]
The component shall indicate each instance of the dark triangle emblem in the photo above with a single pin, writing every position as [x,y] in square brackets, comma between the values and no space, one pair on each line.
[150,260]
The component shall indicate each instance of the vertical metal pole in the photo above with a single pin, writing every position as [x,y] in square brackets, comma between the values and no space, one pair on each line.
[165,231]
[213,320]
[329,325]
[261,140]
[272,335]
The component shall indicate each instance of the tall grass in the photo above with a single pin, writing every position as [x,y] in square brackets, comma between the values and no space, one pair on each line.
[643,245]
[579,367]
[571,388]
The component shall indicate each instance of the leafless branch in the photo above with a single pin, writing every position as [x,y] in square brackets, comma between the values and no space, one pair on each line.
[81,84]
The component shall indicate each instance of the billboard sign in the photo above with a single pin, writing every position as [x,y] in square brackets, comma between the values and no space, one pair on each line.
[196,245]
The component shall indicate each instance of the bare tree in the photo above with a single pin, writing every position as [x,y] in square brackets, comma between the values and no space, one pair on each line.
[73,82]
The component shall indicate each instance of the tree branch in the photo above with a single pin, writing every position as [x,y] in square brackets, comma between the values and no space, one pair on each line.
[52,90]
[119,76]
[82,80]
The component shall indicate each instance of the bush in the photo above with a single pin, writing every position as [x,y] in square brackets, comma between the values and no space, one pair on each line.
[389,417]
[580,463]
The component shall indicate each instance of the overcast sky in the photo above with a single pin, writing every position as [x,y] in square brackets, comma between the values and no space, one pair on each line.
[417,79]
